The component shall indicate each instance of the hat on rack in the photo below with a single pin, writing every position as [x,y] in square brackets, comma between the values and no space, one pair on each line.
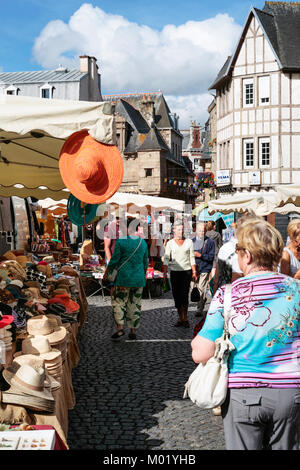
[56,309]
[40,346]
[69,271]
[16,282]
[49,259]
[91,170]
[66,301]
[16,291]
[41,325]
[6,296]
[28,380]
[34,293]
[37,361]
[15,270]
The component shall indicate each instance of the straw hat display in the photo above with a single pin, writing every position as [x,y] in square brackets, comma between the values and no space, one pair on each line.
[15,270]
[40,347]
[28,388]
[57,336]
[35,362]
[5,341]
[91,170]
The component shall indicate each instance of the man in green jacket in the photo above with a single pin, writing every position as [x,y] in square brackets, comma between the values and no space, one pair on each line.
[130,258]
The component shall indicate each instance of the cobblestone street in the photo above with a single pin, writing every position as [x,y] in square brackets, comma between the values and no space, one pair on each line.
[129,393]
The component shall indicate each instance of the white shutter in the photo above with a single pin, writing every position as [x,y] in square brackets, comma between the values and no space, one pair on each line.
[264,90]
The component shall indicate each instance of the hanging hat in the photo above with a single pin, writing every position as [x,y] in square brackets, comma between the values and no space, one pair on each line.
[80,213]
[91,170]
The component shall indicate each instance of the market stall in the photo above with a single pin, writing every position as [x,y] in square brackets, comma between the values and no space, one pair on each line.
[42,300]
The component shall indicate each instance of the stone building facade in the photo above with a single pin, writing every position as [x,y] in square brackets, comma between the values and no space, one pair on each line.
[151,145]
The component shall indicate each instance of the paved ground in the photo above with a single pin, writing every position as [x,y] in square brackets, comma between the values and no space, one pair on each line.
[129,393]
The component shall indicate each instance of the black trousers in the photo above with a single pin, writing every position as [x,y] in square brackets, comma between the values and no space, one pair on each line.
[180,284]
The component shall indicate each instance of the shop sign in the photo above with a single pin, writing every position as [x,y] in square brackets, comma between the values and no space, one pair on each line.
[223,177]
[254,177]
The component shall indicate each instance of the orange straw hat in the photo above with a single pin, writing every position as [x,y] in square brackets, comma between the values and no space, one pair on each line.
[92,171]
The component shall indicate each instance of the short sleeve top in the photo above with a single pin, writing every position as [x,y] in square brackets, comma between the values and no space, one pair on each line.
[264,328]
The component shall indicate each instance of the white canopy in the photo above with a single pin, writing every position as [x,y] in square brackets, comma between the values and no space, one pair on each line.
[140,200]
[283,199]
[32,133]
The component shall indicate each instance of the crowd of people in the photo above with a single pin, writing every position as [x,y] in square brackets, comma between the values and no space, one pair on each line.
[262,408]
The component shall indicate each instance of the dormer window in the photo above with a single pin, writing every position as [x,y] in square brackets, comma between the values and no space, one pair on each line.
[11,90]
[46,91]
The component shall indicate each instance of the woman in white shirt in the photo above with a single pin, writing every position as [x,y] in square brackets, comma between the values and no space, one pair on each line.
[180,258]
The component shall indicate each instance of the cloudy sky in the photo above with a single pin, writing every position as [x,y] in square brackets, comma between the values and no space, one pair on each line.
[176,46]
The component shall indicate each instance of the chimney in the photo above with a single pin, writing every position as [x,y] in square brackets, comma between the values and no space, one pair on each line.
[88,64]
[147,110]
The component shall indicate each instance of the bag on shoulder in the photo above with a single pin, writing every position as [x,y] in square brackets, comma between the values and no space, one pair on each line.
[207,385]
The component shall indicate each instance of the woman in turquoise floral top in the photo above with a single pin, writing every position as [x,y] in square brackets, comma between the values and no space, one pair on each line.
[262,408]
[131,279]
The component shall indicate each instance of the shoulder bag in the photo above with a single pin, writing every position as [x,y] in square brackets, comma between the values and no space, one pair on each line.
[112,276]
[207,385]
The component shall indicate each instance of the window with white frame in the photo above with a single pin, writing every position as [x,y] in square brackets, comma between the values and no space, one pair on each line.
[248,92]
[264,90]
[46,91]
[248,149]
[264,152]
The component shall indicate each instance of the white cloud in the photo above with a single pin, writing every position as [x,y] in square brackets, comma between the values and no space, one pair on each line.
[179,60]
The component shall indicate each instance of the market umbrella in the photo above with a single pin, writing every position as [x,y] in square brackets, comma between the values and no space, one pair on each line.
[32,133]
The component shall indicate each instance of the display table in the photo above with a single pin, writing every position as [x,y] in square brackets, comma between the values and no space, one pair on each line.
[64,398]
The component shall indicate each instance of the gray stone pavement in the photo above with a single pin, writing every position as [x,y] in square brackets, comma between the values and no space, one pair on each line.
[129,393]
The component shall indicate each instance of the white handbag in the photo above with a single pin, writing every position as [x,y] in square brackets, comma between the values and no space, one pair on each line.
[207,385]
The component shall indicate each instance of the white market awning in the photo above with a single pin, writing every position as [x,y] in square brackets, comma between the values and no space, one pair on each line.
[140,201]
[32,133]
[282,199]
[259,202]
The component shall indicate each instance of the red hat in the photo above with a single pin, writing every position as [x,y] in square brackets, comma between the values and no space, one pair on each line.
[66,301]
[5,320]
[92,171]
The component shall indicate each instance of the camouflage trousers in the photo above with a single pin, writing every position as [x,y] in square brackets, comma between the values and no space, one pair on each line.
[127,303]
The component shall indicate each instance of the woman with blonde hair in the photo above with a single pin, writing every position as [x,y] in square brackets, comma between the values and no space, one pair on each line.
[262,407]
[290,261]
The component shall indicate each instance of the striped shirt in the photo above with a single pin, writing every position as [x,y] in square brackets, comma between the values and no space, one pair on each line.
[264,328]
